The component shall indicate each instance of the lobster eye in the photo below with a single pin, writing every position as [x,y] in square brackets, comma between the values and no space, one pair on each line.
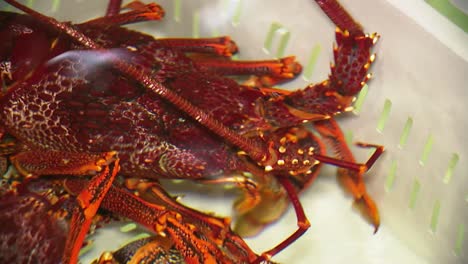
[6,77]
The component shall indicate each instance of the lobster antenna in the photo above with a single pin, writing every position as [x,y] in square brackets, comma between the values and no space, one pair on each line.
[253,148]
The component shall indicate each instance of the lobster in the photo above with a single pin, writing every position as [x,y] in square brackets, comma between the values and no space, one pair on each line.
[105,112]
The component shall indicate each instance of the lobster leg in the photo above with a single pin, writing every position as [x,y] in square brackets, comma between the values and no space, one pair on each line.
[220,46]
[88,203]
[139,13]
[353,58]
[351,180]
[199,237]
[153,192]
[352,53]
[269,72]
[33,164]
[113,7]
[37,163]
[250,189]
[160,249]
[302,221]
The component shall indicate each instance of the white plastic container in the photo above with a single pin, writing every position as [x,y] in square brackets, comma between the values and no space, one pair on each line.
[415,106]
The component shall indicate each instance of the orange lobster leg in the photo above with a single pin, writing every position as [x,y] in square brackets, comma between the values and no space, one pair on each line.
[302,222]
[216,230]
[139,12]
[353,58]
[154,193]
[89,201]
[351,180]
[221,46]
[269,72]
[34,164]
[183,226]
[350,174]
[127,205]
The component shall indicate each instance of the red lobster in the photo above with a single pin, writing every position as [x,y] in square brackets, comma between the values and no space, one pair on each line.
[97,99]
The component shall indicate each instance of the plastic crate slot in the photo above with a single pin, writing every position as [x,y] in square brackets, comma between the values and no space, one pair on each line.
[30,3]
[348,135]
[128,227]
[177,10]
[226,4]
[414,193]
[427,150]
[55,5]
[237,13]
[215,32]
[267,45]
[460,239]
[360,99]
[384,115]
[284,40]
[435,216]
[390,181]
[450,11]
[277,31]
[451,167]
[312,62]
[406,131]
[7,8]
[196,24]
